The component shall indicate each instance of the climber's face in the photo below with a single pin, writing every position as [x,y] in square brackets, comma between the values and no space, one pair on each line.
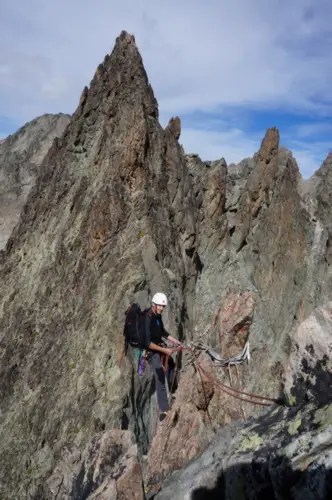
[158,309]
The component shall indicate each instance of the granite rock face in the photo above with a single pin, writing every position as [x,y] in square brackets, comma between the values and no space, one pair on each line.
[118,212]
[108,468]
[20,157]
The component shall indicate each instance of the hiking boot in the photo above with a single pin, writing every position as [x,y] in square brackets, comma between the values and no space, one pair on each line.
[162,416]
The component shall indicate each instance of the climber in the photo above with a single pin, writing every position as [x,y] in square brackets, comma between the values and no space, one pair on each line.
[154,333]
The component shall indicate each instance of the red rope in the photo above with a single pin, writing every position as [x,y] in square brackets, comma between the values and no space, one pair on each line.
[225,387]
[222,387]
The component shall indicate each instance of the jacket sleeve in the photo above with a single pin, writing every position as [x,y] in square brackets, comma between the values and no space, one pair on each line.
[147,330]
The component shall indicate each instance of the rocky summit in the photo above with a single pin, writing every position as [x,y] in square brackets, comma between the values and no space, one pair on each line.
[118,211]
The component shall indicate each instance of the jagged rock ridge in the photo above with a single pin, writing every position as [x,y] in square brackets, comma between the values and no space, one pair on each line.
[117,212]
[110,217]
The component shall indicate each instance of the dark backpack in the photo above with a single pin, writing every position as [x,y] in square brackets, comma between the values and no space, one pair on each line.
[134,331]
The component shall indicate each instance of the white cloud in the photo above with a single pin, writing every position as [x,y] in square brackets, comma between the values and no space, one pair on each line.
[306,130]
[198,55]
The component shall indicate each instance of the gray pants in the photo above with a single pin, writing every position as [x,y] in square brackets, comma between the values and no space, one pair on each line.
[159,375]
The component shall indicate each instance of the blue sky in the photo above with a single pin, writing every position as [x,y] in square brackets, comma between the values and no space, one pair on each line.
[228,69]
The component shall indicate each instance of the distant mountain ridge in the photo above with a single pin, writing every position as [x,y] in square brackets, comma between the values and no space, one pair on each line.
[20,157]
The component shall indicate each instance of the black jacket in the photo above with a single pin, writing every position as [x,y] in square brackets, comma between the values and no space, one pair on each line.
[154,328]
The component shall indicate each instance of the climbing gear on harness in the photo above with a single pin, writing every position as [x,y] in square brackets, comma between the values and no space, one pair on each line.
[141,357]
[138,356]
[159,299]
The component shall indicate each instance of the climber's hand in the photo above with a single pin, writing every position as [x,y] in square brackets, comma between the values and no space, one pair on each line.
[168,351]
[178,344]
[175,341]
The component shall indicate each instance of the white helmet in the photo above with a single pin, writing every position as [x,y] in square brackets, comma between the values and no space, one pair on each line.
[159,299]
